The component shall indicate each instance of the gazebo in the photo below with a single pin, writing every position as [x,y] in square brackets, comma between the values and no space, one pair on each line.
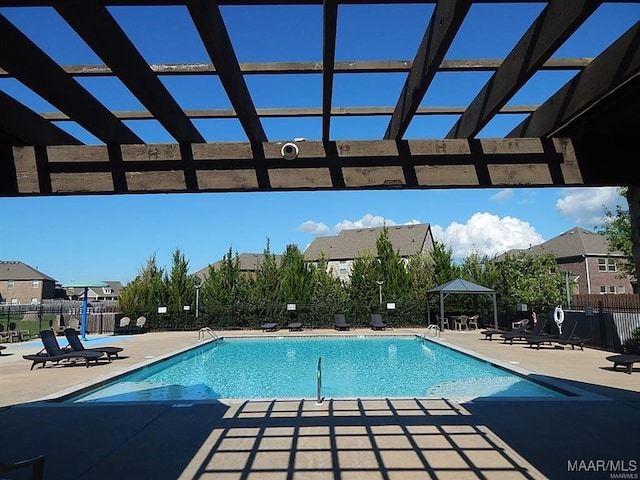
[460,286]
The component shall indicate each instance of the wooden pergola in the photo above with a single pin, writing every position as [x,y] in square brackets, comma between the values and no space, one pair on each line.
[583,134]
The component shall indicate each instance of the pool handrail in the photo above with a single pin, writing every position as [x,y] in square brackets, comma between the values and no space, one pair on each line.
[319,383]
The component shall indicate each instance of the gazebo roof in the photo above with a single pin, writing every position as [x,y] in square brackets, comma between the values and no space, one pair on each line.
[460,286]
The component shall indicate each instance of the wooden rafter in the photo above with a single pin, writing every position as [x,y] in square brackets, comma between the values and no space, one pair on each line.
[443,26]
[59,89]
[210,25]
[557,21]
[99,30]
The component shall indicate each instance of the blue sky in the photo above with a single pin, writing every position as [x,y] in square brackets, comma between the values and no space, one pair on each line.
[111,237]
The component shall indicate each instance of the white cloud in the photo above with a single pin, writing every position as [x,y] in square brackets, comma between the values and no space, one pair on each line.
[314,228]
[502,195]
[586,204]
[486,234]
[368,221]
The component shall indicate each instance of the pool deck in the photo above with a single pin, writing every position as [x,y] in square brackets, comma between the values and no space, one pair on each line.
[590,436]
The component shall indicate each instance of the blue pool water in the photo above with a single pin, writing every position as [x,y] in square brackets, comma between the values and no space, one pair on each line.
[287,368]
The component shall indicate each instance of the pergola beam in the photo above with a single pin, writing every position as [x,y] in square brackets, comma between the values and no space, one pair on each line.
[59,89]
[219,167]
[99,30]
[555,24]
[443,26]
[288,68]
[613,67]
[208,20]
[23,126]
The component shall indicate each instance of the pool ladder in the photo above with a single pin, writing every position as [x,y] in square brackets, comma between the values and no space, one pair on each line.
[319,398]
[202,334]
[434,328]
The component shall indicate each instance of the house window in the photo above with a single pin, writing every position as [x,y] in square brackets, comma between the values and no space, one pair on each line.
[10,283]
[612,289]
[34,300]
[343,268]
[14,301]
[35,283]
[621,290]
[603,290]
[606,265]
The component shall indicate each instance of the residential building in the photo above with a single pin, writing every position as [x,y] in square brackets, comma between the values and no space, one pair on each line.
[586,258]
[340,250]
[21,284]
[249,263]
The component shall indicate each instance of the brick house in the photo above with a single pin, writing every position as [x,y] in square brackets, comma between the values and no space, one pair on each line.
[585,256]
[340,250]
[21,284]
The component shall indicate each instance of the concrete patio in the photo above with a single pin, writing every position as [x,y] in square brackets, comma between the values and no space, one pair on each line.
[587,436]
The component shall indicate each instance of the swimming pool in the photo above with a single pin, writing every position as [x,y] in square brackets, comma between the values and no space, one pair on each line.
[286,367]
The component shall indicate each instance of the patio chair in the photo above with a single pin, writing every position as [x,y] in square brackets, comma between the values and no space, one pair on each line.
[340,322]
[36,464]
[488,334]
[123,326]
[73,323]
[11,335]
[460,322]
[53,353]
[473,322]
[442,323]
[377,323]
[537,331]
[76,345]
[139,327]
[519,323]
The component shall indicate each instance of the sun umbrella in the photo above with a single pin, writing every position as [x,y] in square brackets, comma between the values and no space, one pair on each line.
[85,285]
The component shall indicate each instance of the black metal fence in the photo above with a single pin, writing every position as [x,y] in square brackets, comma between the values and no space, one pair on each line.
[607,321]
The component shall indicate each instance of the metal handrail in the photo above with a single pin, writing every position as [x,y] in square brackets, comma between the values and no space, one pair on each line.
[319,383]
[432,327]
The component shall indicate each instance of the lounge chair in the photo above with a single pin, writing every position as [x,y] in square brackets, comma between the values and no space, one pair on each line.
[53,353]
[624,360]
[340,322]
[573,339]
[566,338]
[377,323]
[295,326]
[36,464]
[269,327]
[123,326]
[537,331]
[77,346]
[488,334]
